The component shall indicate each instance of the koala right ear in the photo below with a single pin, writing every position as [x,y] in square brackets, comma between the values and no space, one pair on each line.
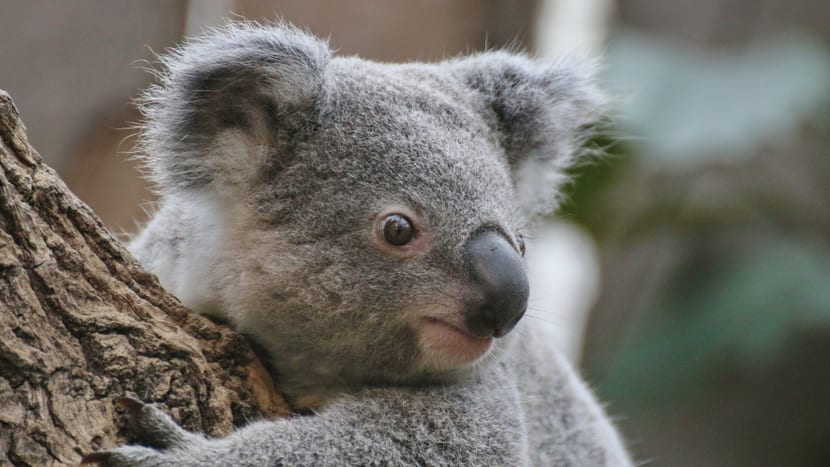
[230,103]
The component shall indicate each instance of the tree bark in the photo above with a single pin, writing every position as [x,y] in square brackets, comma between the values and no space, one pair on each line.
[81,323]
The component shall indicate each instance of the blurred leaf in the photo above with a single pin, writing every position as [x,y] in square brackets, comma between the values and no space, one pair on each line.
[741,318]
[582,199]
[690,106]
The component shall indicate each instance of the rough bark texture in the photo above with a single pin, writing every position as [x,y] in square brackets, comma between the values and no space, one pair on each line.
[81,324]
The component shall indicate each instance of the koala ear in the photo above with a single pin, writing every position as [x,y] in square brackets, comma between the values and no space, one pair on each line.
[541,113]
[231,103]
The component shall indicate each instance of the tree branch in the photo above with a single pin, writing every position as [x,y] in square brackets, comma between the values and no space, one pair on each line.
[81,323]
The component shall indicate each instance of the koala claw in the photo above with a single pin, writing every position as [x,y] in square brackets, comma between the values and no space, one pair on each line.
[127,456]
[152,427]
[131,404]
[100,457]
[157,433]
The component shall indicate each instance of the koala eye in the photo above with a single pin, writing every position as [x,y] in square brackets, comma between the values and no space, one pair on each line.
[521,241]
[397,230]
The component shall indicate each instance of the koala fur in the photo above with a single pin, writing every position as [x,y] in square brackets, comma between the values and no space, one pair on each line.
[275,160]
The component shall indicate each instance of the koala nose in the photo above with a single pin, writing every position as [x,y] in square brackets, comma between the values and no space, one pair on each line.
[500,287]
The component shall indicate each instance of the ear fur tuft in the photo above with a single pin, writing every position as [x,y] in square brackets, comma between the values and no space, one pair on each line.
[542,113]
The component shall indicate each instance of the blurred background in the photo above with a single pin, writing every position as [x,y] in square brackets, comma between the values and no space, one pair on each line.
[689,270]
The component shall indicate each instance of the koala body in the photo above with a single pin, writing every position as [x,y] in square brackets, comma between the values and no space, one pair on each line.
[362,223]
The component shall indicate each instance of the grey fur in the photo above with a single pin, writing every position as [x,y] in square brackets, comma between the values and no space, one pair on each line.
[274,159]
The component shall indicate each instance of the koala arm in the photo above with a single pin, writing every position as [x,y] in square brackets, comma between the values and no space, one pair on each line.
[477,423]
[486,421]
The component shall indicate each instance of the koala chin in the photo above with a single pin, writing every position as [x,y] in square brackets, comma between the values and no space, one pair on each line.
[363,224]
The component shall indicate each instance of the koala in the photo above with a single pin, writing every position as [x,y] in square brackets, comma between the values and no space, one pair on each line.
[362,223]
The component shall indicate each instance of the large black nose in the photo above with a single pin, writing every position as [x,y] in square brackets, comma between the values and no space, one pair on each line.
[498,298]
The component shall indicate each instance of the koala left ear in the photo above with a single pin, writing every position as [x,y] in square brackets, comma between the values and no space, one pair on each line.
[541,112]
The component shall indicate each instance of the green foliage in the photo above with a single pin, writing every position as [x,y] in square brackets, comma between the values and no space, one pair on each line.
[737,320]
[583,199]
[698,121]
[689,107]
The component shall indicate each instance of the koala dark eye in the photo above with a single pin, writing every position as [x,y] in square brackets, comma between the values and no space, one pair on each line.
[521,241]
[397,230]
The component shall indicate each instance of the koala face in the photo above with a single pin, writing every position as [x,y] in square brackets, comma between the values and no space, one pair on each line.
[388,210]
[370,215]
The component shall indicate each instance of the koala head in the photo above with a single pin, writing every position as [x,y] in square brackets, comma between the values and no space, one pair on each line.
[368,216]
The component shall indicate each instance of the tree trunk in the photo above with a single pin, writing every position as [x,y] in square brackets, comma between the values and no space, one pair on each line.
[81,324]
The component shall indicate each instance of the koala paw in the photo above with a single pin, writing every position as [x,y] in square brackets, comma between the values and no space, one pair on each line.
[163,442]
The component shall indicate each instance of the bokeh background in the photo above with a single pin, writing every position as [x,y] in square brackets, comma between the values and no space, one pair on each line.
[690,268]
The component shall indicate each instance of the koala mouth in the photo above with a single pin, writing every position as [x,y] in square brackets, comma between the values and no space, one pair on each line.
[451,346]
